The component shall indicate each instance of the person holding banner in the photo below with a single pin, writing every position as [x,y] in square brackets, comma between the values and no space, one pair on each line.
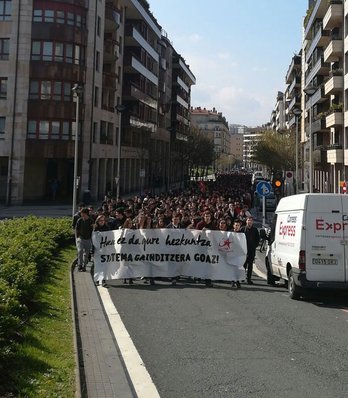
[101,226]
[142,221]
[207,223]
[174,224]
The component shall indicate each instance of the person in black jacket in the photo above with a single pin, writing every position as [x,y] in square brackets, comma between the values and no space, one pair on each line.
[252,239]
[83,234]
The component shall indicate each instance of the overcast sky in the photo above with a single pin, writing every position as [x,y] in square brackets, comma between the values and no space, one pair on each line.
[239,51]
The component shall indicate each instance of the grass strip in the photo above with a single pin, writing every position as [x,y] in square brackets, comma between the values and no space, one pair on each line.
[44,364]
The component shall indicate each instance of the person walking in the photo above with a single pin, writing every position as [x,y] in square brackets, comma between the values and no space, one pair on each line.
[101,226]
[83,235]
[237,229]
[252,238]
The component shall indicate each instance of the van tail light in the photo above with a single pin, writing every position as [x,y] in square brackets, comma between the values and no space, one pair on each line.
[302,260]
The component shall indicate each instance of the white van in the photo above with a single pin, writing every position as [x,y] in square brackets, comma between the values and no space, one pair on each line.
[309,243]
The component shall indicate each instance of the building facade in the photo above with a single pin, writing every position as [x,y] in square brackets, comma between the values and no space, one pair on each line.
[325,123]
[117,54]
[214,125]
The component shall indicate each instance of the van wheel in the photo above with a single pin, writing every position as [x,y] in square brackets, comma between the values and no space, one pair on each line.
[294,290]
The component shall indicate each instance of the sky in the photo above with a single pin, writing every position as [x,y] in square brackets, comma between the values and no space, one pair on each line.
[238,50]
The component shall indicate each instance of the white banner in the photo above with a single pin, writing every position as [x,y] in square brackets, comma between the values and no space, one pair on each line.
[128,253]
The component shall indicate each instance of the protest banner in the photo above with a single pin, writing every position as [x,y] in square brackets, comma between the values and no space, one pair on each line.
[128,253]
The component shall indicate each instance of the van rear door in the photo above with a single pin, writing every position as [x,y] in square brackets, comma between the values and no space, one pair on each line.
[325,237]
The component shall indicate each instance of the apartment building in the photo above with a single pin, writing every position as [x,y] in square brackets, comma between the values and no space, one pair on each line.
[250,140]
[134,89]
[214,125]
[325,121]
[236,147]
[278,117]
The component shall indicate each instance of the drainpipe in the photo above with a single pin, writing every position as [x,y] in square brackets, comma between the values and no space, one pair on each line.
[92,104]
[10,160]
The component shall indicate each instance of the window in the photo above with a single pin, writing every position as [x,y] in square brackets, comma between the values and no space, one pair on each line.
[44,129]
[103,132]
[50,130]
[2,127]
[98,26]
[5,10]
[96,96]
[70,18]
[3,87]
[67,95]
[50,90]
[60,17]
[52,16]
[68,53]
[95,130]
[49,16]
[55,127]
[97,61]
[4,49]
[57,52]
[57,91]
[47,51]
[37,17]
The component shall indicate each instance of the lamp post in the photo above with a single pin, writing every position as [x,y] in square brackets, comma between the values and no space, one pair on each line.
[310,90]
[77,91]
[297,112]
[120,109]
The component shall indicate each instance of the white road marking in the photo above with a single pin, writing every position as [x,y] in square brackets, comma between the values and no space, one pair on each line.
[138,373]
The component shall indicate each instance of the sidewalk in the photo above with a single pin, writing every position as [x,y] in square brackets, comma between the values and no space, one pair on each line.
[35,210]
[101,370]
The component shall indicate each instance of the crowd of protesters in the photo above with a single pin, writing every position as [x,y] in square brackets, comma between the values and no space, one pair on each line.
[222,204]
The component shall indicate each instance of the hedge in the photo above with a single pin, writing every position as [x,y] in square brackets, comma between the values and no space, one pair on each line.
[27,249]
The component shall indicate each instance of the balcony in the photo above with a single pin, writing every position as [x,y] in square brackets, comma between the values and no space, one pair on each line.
[319,155]
[317,97]
[294,102]
[111,51]
[110,80]
[334,85]
[333,51]
[319,125]
[321,39]
[112,18]
[333,16]
[294,84]
[318,10]
[334,119]
[320,68]
[334,154]
[293,68]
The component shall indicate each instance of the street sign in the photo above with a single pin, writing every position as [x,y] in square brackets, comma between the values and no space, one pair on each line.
[263,188]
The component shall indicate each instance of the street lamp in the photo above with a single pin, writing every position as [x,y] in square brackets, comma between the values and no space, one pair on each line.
[119,108]
[77,92]
[310,90]
[297,112]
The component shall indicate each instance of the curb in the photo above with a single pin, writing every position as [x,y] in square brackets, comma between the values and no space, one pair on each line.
[77,342]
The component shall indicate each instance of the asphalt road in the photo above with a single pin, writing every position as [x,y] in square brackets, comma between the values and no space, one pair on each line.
[253,342]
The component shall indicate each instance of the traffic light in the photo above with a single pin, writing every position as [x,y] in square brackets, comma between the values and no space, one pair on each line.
[278,183]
